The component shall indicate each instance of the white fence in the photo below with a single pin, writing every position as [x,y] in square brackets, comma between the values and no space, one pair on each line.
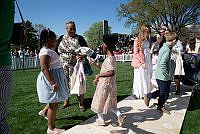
[34,62]
[25,63]
[120,58]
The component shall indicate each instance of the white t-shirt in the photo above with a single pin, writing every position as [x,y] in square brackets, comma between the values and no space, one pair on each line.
[20,53]
[55,59]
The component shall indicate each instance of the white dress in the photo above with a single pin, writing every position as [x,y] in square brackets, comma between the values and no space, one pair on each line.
[142,78]
[44,88]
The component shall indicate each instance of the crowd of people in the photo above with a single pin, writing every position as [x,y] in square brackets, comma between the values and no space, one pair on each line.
[157,64]
[55,82]
[59,72]
[24,52]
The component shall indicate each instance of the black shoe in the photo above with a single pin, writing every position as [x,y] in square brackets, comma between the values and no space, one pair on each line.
[64,106]
[177,92]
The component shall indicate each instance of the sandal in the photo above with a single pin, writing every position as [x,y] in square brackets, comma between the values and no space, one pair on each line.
[55,131]
[82,108]
[64,106]
[43,114]
[100,122]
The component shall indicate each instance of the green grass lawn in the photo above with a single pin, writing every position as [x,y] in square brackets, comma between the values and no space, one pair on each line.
[191,123]
[23,111]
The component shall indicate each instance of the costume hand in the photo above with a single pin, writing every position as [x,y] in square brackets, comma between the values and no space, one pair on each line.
[144,66]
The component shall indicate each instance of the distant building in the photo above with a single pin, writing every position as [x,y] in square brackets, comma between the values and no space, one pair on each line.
[194,29]
[18,37]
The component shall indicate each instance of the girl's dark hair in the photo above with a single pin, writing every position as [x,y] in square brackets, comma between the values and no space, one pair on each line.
[192,44]
[45,35]
[110,41]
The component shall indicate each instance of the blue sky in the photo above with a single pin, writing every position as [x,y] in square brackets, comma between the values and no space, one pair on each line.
[55,13]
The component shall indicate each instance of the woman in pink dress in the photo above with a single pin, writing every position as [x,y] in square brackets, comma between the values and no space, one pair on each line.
[105,97]
[142,64]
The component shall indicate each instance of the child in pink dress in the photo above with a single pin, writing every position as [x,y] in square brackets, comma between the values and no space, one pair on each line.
[105,97]
[154,63]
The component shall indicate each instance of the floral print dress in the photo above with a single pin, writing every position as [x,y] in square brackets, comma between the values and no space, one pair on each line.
[66,50]
[105,97]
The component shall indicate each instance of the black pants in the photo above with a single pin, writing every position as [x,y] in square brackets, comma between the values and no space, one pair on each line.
[6,85]
[162,93]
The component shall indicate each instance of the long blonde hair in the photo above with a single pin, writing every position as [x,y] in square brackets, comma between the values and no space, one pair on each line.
[143,35]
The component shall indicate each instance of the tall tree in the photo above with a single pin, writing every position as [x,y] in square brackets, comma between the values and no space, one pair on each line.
[32,38]
[39,28]
[174,14]
[94,34]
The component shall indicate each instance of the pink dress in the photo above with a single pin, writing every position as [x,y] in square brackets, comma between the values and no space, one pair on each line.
[105,97]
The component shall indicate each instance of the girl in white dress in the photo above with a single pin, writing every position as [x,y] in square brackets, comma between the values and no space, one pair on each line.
[143,64]
[52,85]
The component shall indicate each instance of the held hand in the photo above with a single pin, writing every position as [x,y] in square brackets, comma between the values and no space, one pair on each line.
[55,87]
[80,57]
[91,62]
[96,80]
[97,77]
[144,66]
[74,59]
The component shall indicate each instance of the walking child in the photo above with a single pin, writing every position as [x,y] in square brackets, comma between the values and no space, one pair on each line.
[162,73]
[51,82]
[105,98]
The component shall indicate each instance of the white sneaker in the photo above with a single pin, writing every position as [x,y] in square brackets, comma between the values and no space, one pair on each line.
[100,122]
[55,131]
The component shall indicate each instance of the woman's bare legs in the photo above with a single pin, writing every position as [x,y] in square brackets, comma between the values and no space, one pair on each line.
[81,102]
[177,81]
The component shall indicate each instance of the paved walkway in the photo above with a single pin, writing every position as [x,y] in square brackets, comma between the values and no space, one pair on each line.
[140,119]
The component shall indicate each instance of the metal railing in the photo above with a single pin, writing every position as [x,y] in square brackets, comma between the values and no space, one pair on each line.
[25,63]
[120,58]
[34,62]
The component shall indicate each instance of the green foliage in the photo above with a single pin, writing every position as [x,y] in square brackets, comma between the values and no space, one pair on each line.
[32,37]
[94,34]
[173,14]
[39,28]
